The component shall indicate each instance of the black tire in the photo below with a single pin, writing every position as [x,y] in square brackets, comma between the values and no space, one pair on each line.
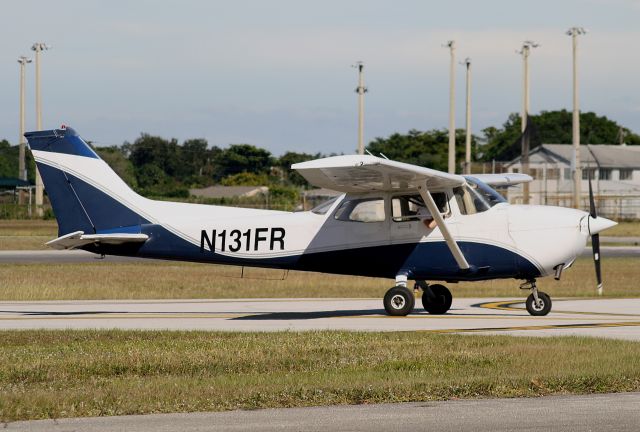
[541,309]
[437,299]
[399,301]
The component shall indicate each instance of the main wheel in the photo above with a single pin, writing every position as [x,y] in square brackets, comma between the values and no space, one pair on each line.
[541,308]
[399,301]
[437,299]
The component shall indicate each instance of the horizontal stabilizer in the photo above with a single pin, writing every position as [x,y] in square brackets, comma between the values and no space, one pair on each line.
[79,238]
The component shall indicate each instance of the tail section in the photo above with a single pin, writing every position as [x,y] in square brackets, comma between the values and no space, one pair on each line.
[85,193]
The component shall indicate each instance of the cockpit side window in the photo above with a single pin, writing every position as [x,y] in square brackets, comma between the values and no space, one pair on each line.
[361,210]
[406,207]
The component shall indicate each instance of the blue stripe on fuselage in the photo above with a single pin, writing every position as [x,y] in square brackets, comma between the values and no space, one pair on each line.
[429,261]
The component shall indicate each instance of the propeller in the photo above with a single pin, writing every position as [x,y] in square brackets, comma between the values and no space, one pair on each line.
[595,238]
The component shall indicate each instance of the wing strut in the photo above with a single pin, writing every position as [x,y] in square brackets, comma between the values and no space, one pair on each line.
[433,209]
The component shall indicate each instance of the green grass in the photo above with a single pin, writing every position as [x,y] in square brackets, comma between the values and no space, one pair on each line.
[26,234]
[170,280]
[624,229]
[51,374]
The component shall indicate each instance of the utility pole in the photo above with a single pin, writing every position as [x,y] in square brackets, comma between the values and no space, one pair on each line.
[524,159]
[22,171]
[361,90]
[452,109]
[39,47]
[574,32]
[467,156]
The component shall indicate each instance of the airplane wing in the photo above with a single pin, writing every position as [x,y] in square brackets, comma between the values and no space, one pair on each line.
[362,173]
[502,180]
[79,238]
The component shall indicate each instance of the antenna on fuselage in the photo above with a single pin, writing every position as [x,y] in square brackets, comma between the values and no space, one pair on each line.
[382,154]
[368,152]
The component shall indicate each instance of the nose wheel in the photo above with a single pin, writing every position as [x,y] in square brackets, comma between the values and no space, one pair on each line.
[538,303]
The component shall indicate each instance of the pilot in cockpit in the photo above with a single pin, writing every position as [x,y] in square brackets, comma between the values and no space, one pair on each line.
[425,215]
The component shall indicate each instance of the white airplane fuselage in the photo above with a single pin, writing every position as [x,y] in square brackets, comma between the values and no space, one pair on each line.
[503,241]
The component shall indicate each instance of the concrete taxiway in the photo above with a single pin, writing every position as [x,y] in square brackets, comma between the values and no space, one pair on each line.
[613,318]
[605,412]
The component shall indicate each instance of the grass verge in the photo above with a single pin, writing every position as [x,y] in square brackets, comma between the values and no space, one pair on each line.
[26,234]
[52,374]
[168,280]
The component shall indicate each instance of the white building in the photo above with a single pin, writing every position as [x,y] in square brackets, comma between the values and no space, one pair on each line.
[614,170]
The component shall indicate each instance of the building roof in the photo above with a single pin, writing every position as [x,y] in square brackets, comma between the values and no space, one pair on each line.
[229,191]
[10,182]
[594,155]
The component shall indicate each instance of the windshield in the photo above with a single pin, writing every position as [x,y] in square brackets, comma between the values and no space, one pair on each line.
[325,206]
[491,197]
[476,197]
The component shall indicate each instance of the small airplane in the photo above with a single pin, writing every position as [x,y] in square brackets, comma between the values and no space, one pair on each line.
[377,227]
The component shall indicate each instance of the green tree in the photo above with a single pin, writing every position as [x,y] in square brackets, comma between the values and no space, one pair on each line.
[148,149]
[553,127]
[8,159]
[428,149]
[239,158]
[285,161]
[245,179]
[194,158]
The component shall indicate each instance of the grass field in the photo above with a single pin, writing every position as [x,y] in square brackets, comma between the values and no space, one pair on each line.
[51,374]
[170,280]
[33,234]
[26,234]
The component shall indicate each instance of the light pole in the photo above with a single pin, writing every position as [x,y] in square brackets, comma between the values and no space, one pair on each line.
[524,160]
[574,32]
[467,156]
[452,108]
[361,90]
[22,172]
[39,47]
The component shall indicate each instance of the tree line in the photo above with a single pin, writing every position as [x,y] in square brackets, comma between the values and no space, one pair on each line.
[155,166]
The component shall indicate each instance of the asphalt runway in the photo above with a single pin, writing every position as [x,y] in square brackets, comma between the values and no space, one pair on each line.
[80,256]
[605,412]
[613,318]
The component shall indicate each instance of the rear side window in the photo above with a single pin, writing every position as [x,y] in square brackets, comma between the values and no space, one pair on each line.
[361,210]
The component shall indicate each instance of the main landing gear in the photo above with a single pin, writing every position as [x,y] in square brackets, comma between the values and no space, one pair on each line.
[538,303]
[400,300]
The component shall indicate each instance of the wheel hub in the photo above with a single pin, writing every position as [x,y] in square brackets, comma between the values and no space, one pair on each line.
[538,305]
[398,301]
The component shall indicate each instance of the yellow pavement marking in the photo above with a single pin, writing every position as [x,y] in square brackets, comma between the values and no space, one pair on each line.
[508,306]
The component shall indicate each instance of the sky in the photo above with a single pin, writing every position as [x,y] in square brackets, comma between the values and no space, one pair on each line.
[277,73]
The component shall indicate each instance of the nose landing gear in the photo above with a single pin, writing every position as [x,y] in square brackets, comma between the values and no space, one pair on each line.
[538,303]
